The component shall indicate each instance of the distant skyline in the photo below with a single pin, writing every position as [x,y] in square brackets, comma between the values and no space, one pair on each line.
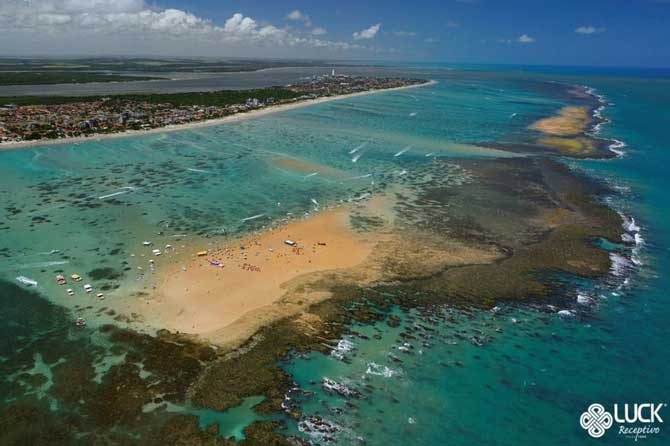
[594,33]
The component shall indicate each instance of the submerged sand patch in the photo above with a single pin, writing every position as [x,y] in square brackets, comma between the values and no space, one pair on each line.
[306,167]
[570,146]
[566,133]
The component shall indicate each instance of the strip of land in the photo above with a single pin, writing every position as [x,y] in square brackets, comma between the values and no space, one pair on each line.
[72,120]
[65,77]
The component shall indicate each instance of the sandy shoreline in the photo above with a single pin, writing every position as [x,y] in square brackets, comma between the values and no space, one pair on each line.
[208,123]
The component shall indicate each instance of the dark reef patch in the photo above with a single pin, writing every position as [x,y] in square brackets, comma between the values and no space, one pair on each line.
[105,273]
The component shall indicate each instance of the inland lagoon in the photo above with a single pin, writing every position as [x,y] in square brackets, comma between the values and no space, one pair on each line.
[435,265]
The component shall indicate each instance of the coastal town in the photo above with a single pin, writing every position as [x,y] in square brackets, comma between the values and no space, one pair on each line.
[71,117]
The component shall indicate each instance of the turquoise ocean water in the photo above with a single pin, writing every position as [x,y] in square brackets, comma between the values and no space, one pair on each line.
[77,208]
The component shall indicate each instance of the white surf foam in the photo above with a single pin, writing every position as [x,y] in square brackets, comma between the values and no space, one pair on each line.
[344,346]
[620,264]
[380,370]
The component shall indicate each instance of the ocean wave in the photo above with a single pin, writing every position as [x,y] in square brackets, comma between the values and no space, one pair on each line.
[615,145]
[620,264]
[584,299]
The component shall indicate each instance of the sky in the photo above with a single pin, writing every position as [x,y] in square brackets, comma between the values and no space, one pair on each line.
[543,32]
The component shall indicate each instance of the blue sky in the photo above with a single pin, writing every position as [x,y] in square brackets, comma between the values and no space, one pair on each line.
[567,32]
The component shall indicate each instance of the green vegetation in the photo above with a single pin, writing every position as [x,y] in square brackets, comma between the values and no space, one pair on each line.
[169,65]
[220,98]
[63,77]
[223,97]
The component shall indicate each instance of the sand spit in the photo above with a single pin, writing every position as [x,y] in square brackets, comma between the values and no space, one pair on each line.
[242,285]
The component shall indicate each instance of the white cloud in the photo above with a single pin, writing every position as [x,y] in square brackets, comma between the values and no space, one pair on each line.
[453,24]
[432,40]
[404,33]
[368,33]
[298,16]
[137,27]
[525,38]
[318,31]
[590,30]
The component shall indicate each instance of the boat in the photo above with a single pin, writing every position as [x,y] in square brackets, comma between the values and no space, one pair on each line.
[80,322]
[88,288]
[100,296]
[75,277]
[146,243]
[70,292]
[27,281]
[215,262]
[156,252]
[60,280]
[290,242]
[202,253]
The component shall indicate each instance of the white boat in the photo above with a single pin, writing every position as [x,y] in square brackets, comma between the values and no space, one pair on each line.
[88,288]
[290,242]
[27,281]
